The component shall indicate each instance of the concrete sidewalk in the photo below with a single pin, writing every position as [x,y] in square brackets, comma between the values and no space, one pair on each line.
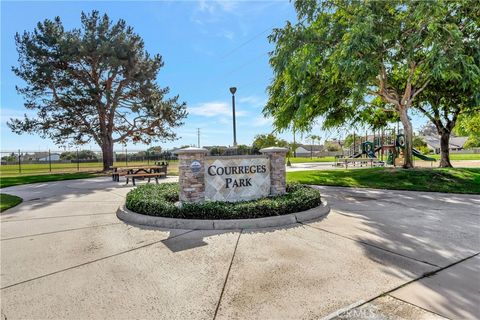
[64,254]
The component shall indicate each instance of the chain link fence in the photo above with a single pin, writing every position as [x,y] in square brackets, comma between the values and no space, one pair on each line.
[14,162]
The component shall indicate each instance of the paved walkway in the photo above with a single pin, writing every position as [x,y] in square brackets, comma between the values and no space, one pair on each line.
[64,254]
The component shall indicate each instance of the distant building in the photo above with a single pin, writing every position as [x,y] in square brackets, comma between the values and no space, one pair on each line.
[53,157]
[456,143]
[307,150]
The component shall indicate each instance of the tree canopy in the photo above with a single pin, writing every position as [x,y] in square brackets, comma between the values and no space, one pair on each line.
[469,125]
[268,140]
[346,57]
[96,83]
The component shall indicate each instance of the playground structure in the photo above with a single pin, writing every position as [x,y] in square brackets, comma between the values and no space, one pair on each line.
[386,148]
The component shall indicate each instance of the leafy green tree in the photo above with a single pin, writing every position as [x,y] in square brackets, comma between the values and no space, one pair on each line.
[243,149]
[313,138]
[342,55]
[456,89]
[216,151]
[442,105]
[93,83]
[348,141]
[154,150]
[268,140]
[82,155]
[419,142]
[377,116]
[292,149]
[331,146]
[468,124]
[10,158]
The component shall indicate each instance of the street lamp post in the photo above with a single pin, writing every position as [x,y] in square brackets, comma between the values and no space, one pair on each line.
[232,91]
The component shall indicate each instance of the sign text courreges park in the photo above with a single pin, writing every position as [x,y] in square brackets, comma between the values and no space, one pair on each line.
[232,182]
[237,179]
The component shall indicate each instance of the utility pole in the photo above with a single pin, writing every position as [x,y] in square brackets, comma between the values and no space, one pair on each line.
[198,137]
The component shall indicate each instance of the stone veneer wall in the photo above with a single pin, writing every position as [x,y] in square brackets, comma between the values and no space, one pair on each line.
[192,184]
[278,185]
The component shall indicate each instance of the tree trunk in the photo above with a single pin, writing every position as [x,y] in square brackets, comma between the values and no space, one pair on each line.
[408,132]
[107,154]
[445,149]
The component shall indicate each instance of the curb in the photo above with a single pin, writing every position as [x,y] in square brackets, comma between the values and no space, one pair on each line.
[230,224]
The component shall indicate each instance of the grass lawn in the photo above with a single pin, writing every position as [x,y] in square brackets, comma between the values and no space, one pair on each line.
[26,179]
[459,156]
[8,201]
[452,180]
[314,159]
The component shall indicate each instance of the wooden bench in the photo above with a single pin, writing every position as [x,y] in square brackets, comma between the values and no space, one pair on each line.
[155,175]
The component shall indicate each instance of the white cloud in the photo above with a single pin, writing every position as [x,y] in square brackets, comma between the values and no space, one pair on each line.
[7,113]
[224,120]
[227,6]
[262,121]
[214,109]
[226,34]
[253,100]
[212,6]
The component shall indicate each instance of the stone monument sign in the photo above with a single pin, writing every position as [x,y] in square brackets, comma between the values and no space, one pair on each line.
[230,178]
[237,178]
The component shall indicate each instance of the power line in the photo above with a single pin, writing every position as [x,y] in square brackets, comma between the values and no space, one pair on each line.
[246,42]
[246,63]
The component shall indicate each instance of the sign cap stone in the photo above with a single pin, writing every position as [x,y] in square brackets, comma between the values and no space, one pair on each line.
[191,150]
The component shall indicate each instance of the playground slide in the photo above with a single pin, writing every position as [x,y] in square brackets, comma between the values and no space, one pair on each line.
[356,155]
[418,154]
[371,155]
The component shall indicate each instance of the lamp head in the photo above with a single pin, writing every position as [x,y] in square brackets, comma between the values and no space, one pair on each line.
[233,90]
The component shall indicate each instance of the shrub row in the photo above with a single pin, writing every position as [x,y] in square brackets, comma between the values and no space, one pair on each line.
[162,200]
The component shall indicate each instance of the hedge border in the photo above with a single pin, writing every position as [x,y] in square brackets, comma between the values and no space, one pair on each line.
[162,200]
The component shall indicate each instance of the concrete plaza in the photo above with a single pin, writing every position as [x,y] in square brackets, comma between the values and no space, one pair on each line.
[377,255]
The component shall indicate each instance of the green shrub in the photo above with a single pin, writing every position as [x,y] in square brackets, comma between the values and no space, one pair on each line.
[162,200]
[425,150]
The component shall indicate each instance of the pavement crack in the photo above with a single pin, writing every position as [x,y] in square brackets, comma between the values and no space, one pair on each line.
[412,304]
[93,261]
[426,274]
[372,245]
[59,231]
[432,273]
[228,274]
[4,220]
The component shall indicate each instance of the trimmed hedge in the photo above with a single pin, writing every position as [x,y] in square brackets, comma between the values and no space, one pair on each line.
[162,200]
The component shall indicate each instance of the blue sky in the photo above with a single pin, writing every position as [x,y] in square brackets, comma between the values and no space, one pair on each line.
[207,47]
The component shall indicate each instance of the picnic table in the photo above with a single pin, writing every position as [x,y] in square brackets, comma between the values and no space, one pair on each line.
[139,172]
[361,161]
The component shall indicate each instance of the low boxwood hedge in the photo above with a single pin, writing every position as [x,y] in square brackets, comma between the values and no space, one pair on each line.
[162,200]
